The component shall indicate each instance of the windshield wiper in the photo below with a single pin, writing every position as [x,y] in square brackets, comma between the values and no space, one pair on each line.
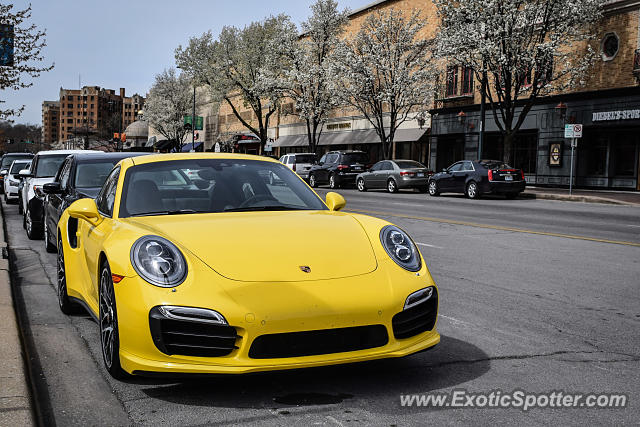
[171,212]
[265,208]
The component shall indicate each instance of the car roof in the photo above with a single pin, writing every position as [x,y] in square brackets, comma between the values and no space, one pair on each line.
[347,151]
[300,154]
[17,154]
[57,152]
[86,157]
[153,158]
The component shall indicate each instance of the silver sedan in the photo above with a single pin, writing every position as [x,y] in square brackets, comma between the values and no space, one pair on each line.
[394,175]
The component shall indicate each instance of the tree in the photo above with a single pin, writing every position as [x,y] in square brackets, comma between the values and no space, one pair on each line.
[28,44]
[308,58]
[238,68]
[527,48]
[385,72]
[168,101]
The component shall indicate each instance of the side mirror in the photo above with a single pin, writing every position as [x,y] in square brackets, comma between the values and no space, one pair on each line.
[444,170]
[4,173]
[52,188]
[85,209]
[335,201]
[24,173]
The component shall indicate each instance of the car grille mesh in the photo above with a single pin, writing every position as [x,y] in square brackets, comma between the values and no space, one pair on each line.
[191,338]
[324,341]
[417,319]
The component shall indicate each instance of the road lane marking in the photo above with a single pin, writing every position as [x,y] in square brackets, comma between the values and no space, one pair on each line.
[636,226]
[494,227]
[428,245]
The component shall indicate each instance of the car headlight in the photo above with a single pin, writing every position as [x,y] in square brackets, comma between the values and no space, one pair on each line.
[400,248]
[158,261]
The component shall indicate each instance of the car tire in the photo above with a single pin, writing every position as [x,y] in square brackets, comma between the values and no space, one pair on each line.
[511,196]
[33,232]
[312,181]
[432,188]
[392,186]
[50,248]
[333,184]
[471,191]
[66,306]
[360,184]
[108,323]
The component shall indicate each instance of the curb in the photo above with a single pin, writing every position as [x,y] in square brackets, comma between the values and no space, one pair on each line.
[16,400]
[568,198]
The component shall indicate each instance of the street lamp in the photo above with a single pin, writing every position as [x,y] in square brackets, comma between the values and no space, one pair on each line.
[561,109]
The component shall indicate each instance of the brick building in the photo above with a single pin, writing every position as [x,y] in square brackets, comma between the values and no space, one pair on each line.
[50,121]
[96,112]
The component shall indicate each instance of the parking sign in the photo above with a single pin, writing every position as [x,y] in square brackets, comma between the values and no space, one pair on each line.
[573,131]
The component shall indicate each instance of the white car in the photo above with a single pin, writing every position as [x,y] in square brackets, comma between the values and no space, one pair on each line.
[12,180]
[43,170]
[300,163]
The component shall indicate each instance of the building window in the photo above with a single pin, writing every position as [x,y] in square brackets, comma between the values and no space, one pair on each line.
[524,77]
[467,80]
[610,46]
[452,80]
[596,157]
[624,157]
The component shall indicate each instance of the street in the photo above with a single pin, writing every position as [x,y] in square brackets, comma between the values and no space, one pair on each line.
[535,295]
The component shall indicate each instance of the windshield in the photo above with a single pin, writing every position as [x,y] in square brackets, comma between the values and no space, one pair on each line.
[221,185]
[48,166]
[305,158]
[409,164]
[350,158]
[7,160]
[494,164]
[17,167]
[93,174]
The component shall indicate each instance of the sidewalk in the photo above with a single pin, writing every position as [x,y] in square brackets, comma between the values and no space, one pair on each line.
[15,398]
[589,196]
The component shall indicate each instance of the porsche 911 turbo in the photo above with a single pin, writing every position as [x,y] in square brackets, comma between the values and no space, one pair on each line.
[189,273]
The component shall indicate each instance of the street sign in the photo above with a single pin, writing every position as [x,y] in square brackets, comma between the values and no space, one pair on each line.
[199,121]
[573,131]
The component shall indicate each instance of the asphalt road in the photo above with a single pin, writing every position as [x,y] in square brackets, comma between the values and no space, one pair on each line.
[519,310]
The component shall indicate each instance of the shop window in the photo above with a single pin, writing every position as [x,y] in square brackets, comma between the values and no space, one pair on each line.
[610,46]
[624,157]
[467,80]
[596,157]
[525,152]
[452,80]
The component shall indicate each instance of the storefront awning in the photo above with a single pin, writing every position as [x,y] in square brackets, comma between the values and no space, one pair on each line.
[367,136]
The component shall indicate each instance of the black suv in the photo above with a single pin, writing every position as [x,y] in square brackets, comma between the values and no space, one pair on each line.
[337,168]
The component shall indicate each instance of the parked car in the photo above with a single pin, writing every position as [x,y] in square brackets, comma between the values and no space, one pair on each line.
[475,178]
[338,168]
[300,163]
[44,167]
[395,175]
[12,179]
[9,158]
[80,175]
[21,181]
[160,269]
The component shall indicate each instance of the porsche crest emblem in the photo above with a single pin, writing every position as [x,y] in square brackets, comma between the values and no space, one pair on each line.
[305,268]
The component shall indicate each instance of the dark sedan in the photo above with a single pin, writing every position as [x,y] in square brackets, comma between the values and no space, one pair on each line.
[394,175]
[80,176]
[477,177]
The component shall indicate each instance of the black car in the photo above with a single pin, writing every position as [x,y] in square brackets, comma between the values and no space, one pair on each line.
[80,176]
[477,177]
[338,168]
[7,159]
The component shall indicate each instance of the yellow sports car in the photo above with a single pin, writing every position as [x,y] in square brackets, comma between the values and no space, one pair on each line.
[227,263]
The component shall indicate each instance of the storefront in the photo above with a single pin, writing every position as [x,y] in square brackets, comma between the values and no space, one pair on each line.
[607,156]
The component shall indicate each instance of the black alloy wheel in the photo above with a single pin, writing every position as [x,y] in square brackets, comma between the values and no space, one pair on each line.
[33,231]
[108,319]
[48,246]
[360,184]
[66,306]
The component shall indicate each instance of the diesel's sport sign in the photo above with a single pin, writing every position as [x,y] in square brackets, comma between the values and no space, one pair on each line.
[616,115]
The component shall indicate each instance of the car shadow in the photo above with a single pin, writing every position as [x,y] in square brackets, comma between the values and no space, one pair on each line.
[451,363]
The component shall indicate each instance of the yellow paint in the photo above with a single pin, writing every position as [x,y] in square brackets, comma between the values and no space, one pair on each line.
[246,266]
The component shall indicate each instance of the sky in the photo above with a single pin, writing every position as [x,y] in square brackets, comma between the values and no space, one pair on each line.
[125,43]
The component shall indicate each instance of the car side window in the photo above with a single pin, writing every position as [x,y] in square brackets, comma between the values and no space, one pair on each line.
[332,158]
[387,166]
[323,159]
[467,166]
[63,178]
[376,167]
[107,197]
[456,167]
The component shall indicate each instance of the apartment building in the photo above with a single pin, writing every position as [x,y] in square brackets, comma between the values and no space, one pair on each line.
[50,121]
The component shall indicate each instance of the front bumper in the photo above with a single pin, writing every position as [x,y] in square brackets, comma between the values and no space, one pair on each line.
[259,309]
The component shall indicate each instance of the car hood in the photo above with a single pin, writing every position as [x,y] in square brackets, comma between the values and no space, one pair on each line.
[271,246]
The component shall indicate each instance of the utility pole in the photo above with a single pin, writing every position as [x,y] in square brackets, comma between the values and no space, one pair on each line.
[193,120]
[483,101]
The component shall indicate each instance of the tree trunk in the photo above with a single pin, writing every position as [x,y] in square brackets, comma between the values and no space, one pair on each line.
[508,147]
